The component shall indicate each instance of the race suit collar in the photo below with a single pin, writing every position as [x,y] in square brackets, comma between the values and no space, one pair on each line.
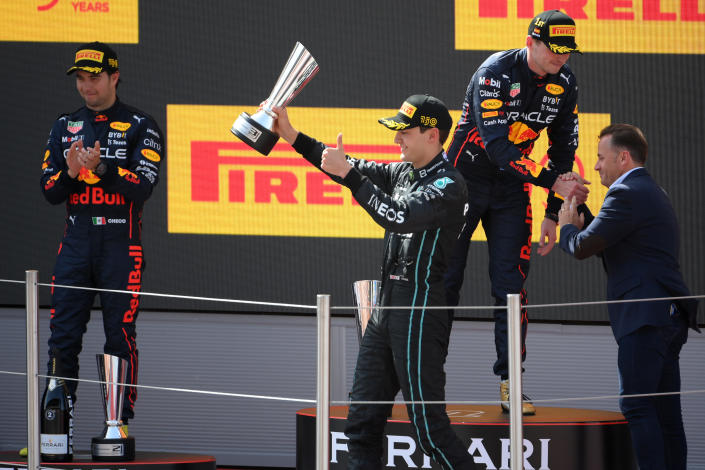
[527,72]
[430,169]
[106,114]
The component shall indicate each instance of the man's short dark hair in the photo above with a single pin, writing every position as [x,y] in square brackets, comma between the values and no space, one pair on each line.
[119,79]
[442,135]
[630,138]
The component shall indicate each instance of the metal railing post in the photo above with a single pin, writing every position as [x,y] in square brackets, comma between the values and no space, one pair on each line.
[323,383]
[516,432]
[33,458]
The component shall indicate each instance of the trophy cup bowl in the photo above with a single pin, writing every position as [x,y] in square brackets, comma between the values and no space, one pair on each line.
[112,444]
[366,295]
[256,130]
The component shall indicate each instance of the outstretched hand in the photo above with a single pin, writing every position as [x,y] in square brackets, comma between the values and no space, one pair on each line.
[333,160]
[282,125]
[569,214]
[571,185]
[548,237]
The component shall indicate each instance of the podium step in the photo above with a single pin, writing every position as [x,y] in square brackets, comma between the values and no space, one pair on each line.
[554,438]
[143,461]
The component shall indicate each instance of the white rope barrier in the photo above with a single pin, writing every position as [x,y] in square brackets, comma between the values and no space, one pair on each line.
[302,400]
[173,296]
[497,402]
[354,402]
[608,302]
[344,307]
[173,389]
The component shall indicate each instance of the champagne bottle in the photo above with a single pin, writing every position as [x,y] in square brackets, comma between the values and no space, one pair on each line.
[57,421]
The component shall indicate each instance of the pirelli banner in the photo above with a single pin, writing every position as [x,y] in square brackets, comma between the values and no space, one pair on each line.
[219,185]
[634,26]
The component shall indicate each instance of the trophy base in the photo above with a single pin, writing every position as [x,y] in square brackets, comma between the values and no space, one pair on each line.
[254,134]
[116,450]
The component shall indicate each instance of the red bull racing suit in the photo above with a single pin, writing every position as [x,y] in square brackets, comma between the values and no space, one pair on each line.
[405,348]
[505,109]
[102,245]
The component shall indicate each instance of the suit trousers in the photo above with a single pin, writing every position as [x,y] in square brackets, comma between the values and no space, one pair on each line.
[503,206]
[648,363]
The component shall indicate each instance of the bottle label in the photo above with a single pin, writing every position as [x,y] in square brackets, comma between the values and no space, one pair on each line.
[54,444]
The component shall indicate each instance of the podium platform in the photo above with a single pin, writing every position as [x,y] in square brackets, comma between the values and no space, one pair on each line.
[554,438]
[143,461]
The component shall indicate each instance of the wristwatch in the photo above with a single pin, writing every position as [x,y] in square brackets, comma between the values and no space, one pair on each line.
[101,169]
[549,215]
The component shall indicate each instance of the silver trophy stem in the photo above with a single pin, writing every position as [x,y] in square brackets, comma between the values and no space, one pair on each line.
[298,71]
[257,130]
[112,370]
[113,443]
[366,295]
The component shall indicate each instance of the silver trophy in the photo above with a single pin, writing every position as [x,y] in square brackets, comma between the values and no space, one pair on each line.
[113,444]
[256,130]
[366,295]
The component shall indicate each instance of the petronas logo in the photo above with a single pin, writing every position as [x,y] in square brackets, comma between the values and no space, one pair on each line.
[442,183]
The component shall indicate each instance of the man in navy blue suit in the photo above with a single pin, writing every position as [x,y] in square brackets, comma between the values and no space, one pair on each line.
[636,234]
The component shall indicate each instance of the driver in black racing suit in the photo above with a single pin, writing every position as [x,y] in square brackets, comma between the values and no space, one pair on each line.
[420,202]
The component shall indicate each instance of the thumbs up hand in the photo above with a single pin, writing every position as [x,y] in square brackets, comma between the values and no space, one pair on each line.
[333,160]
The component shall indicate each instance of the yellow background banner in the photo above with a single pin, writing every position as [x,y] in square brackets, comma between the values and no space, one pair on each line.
[111,21]
[633,26]
[218,185]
